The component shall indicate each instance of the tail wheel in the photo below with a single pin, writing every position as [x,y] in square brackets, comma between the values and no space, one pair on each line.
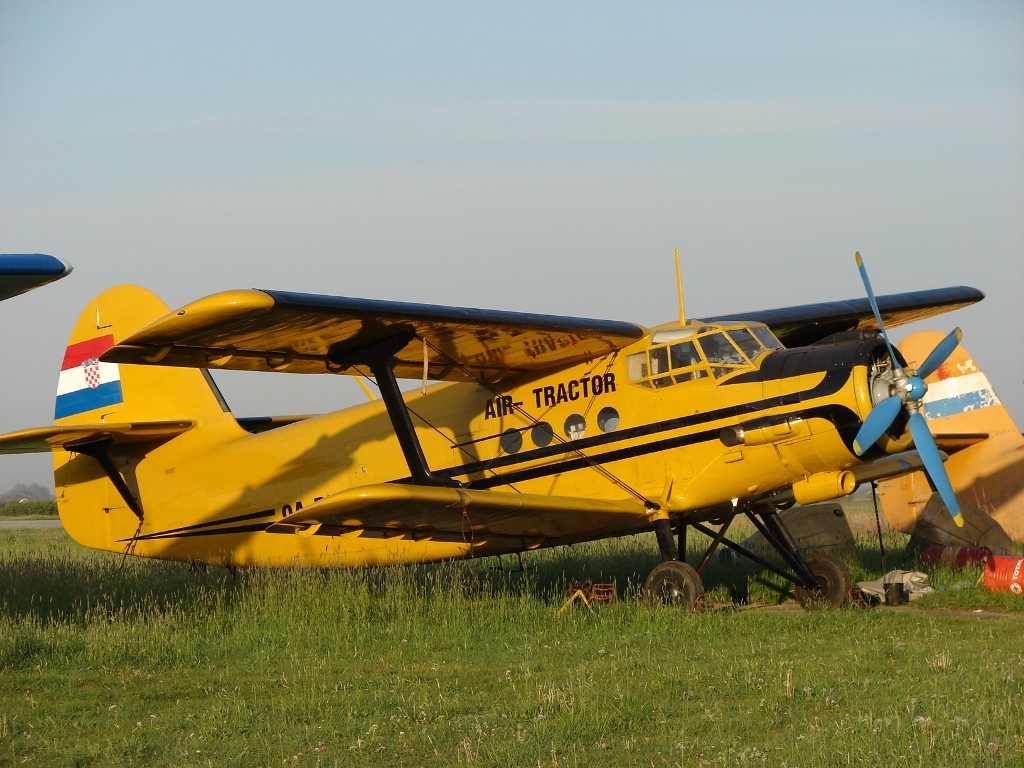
[834,582]
[674,583]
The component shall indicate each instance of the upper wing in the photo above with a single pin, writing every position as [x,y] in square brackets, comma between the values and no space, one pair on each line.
[44,439]
[20,272]
[808,323]
[300,333]
[482,518]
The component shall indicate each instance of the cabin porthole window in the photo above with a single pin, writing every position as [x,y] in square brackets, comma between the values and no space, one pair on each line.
[575,427]
[511,441]
[542,435]
[608,419]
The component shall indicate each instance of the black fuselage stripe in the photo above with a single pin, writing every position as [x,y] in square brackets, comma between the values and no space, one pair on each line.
[183,534]
[219,521]
[833,413]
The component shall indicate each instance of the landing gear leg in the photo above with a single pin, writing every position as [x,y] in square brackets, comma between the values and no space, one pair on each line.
[666,543]
[826,581]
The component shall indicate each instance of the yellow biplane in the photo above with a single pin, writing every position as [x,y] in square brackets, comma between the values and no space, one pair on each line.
[545,431]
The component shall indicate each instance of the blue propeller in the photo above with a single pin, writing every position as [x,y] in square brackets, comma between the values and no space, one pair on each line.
[907,390]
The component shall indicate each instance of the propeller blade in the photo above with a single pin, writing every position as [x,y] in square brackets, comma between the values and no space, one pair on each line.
[874,308]
[938,355]
[925,444]
[878,420]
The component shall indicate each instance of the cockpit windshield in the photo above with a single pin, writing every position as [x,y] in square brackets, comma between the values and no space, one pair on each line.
[685,354]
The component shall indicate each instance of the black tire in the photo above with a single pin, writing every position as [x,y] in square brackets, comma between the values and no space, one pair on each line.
[674,583]
[834,583]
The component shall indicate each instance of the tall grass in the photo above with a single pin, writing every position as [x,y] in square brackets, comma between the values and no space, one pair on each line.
[135,662]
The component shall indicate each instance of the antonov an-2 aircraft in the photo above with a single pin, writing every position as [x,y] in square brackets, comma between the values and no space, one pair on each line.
[545,431]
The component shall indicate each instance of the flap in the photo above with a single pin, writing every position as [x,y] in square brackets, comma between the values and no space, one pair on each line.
[463,514]
[253,330]
[44,439]
[808,323]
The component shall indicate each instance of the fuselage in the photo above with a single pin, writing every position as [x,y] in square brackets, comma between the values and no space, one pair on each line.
[685,420]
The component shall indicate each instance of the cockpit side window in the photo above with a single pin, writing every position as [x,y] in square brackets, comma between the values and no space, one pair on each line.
[717,352]
[659,360]
[723,355]
[659,365]
[720,351]
[766,337]
[745,340]
[636,366]
[687,364]
[684,355]
[666,364]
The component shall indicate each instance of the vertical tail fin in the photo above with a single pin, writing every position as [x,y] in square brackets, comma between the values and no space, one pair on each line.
[960,398]
[89,391]
[101,492]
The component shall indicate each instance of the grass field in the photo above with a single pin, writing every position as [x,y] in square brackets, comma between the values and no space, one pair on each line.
[105,661]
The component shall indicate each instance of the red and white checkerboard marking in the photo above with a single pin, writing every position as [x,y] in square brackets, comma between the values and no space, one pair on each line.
[92,372]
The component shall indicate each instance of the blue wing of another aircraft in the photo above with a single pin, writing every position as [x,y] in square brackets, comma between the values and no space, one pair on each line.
[20,272]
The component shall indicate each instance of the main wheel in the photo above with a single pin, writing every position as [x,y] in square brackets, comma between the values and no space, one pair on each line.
[834,582]
[673,582]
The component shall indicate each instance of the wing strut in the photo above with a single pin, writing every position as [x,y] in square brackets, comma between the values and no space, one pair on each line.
[379,356]
[100,450]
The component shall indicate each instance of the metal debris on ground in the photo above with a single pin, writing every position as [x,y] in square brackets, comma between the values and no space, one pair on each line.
[589,593]
[856,598]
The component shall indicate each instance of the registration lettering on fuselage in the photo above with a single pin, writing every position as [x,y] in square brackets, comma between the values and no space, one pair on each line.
[563,392]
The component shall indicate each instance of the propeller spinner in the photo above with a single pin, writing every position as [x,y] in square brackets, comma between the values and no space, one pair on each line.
[905,392]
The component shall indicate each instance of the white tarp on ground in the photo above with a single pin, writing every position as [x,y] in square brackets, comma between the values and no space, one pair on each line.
[915,585]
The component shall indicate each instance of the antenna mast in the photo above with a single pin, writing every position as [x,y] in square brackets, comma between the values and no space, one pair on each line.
[679,290]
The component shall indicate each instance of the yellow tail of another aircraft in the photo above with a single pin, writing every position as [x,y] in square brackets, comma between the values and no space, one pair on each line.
[986,463]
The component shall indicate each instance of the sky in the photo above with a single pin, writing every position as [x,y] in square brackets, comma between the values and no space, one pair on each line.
[538,157]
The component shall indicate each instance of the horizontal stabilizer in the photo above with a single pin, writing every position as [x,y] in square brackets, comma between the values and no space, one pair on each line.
[45,439]
[458,514]
[253,330]
[951,443]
